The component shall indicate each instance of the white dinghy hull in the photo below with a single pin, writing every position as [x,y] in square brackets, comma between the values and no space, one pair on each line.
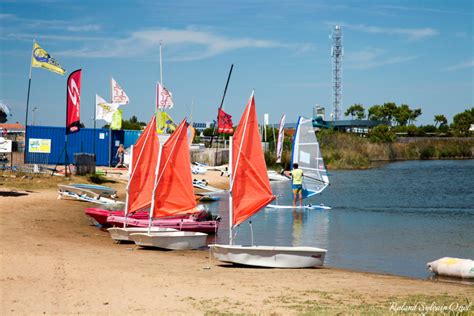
[123,234]
[270,256]
[178,240]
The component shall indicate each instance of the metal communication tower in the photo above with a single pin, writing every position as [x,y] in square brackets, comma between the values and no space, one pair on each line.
[336,53]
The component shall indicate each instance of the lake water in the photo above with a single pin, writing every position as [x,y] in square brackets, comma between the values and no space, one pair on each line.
[393,219]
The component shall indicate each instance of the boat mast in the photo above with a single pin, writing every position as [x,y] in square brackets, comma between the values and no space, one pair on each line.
[154,188]
[128,186]
[231,211]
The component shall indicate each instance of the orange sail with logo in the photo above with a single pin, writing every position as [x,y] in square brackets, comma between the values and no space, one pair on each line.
[174,192]
[142,172]
[251,188]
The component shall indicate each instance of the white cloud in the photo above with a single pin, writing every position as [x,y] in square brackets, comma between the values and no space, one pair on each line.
[84,28]
[411,33]
[371,57]
[465,65]
[186,44]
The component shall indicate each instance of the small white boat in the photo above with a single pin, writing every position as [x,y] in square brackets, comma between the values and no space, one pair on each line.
[270,256]
[178,240]
[123,233]
[247,196]
[452,267]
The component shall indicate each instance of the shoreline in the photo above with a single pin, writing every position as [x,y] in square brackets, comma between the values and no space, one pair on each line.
[54,261]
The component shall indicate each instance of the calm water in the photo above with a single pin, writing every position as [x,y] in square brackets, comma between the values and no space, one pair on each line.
[393,219]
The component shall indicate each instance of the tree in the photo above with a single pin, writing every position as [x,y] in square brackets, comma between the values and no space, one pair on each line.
[441,119]
[402,114]
[131,124]
[414,114]
[375,113]
[356,110]
[462,122]
[388,110]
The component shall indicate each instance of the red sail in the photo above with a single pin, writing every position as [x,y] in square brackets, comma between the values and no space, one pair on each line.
[224,123]
[73,102]
[251,188]
[142,173]
[175,192]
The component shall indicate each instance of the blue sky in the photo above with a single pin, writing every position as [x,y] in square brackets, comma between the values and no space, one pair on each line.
[416,52]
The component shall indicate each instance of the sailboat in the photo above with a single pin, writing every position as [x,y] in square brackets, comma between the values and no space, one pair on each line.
[140,185]
[249,192]
[172,194]
[307,155]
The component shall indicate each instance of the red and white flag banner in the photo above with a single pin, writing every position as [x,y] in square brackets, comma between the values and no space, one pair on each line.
[118,94]
[164,98]
[73,102]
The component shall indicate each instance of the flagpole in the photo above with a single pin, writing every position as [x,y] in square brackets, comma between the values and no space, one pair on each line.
[161,67]
[222,103]
[28,101]
[95,134]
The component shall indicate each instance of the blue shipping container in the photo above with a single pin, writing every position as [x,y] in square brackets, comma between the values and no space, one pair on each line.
[45,145]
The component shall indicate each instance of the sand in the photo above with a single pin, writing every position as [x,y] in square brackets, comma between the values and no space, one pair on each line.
[54,262]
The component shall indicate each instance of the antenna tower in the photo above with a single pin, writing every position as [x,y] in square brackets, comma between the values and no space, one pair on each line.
[336,53]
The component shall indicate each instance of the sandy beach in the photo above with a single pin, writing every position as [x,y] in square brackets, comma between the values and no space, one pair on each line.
[54,262]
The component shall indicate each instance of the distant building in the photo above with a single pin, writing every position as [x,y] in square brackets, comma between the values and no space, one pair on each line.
[201,126]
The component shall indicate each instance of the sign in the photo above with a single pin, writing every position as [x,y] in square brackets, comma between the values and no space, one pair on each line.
[38,145]
[5,145]
[101,135]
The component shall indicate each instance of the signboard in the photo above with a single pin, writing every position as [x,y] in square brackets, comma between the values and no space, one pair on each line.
[38,145]
[5,145]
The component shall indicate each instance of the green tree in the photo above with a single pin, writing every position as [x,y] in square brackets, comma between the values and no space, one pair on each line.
[440,119]
[462,122]
[356,110]
[208,131]
[414,115]
[375,113]
[388,110]
[402,114]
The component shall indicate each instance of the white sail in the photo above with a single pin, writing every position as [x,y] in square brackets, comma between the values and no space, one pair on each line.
[307,154]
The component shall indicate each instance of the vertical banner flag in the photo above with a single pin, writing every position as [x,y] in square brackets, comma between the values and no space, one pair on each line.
[40,58]
[164,98]
[116,120]
[224,123]
[73,100]
[104,110]
[281,136]
[118,94]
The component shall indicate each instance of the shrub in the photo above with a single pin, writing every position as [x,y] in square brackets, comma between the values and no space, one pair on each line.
[381,134]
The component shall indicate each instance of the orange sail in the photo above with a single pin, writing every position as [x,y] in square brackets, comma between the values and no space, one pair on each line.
[144,160]
[251,188]
[174,192]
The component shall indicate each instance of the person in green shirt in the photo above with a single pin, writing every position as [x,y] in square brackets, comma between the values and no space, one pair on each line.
[297,183]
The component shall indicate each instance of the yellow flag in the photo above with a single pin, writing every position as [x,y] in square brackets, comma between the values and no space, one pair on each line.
[40,58]
[116,120]
[164,123]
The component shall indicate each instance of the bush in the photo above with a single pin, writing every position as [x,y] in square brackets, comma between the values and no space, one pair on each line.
[381,134]
[427,152]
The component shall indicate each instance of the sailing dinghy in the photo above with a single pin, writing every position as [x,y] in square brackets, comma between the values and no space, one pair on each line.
[249,192]
[140,186]
[307,155]
[172,194]
[85,195]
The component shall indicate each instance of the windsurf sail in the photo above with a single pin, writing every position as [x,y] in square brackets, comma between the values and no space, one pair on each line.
[250,187]
[307,155]
[174,192]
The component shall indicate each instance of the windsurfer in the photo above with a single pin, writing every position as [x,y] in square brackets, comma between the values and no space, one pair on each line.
[297,183]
